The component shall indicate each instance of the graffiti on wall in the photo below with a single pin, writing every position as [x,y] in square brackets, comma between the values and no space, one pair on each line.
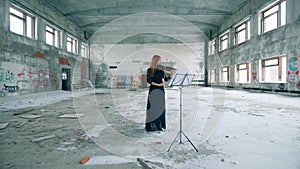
[15,78]
[6,76]
[10,89]
[120,81]
[37,77]
[254,70]
[293,69]
[281,86]
[293,73]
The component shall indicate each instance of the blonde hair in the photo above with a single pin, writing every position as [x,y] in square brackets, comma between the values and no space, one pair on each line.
[154,64]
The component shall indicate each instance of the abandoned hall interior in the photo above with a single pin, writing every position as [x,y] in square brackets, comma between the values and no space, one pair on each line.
[73,82]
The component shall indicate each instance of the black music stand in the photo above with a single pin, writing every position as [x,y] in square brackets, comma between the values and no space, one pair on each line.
[181,80]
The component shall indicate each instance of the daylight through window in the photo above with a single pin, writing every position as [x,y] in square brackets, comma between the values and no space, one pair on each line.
[212,76]
[225,74]
[243,73]
[212,47]
[242,32]
[72,45]
[273,17]
[273,69]
[53,36]
[224,41]
[84,51]
[21,23]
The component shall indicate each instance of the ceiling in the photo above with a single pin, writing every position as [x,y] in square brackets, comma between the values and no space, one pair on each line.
[91,15]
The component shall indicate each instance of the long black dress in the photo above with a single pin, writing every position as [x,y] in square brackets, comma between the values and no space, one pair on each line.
[156,113]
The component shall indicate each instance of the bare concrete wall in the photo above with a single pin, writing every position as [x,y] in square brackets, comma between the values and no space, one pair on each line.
[284,40]
[30,65]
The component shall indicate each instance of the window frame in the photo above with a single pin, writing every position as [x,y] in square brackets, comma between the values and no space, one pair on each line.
[247,32]
[212,47]
[280,63]
[84,53]
[238,69]
[226,33]
[212,80]
[57,36]
[228,74]
[74,44]
[26,32]
[280,12]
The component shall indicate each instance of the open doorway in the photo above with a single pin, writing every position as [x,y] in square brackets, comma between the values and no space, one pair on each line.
[66,79]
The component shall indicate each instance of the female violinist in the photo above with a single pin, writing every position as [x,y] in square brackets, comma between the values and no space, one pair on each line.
[156,113]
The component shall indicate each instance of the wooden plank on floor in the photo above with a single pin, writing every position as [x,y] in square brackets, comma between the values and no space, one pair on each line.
[3,125]
[72,116]
[142,162]
[31,116]
[43,138]
[23,111]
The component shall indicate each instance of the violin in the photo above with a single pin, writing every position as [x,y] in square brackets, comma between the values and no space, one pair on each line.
[167,69]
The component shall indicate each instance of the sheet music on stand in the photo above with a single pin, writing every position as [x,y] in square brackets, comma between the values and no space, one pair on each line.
[181,79]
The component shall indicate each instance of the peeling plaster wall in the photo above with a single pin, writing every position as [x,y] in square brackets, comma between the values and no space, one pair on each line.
[30,65]
[284,40]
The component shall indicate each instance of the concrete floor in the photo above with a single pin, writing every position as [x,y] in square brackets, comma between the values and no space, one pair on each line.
[231,129]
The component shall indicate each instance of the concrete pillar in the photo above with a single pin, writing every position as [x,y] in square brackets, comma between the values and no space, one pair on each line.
[41,27]
[254,26]
[4,16]
[292,10]
[64,40]
[206,63]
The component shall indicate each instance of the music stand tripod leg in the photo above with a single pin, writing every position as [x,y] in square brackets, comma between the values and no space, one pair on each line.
[190,142]
[173,142]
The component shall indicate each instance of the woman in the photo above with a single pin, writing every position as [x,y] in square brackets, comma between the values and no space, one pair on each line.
[156,114]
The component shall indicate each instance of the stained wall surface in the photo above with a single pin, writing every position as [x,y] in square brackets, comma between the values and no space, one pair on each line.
[29,65]
[283,42]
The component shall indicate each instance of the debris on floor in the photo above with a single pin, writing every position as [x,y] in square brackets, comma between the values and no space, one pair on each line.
[83,138]
[23,111]
[72,116]
[31,116]
[109,160]
[84,160]
[43,138]
[3,125]
[18,124]
[142,162]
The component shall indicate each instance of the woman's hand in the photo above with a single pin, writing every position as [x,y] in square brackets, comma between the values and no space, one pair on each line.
[157,84]
[171,75]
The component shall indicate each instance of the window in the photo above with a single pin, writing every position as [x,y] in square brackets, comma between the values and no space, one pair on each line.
[53,36]
[84,51]
[21,22]
[273,16]
[242,32]
[212,47]
[243,73]
[72,45]
[212,76]
[224,41]
[273,69]
[225,74]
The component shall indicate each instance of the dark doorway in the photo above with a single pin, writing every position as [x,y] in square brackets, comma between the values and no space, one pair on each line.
[66,79]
